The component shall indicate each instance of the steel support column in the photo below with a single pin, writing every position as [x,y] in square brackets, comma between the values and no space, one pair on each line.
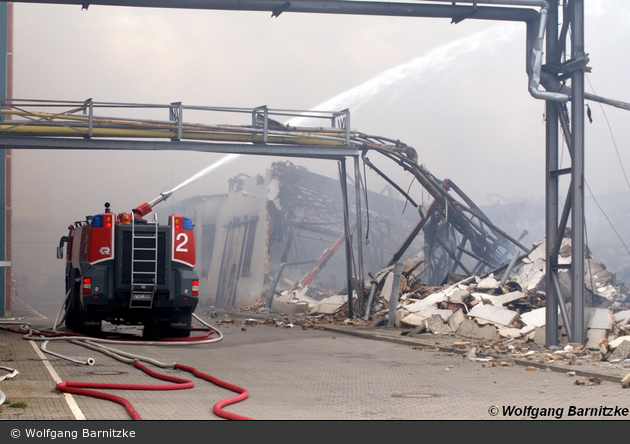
[552,179]
[5,165]
[577,175]
[359,213]
[346,224]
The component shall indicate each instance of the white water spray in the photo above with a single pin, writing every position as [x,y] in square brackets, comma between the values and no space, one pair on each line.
[429,66]
[425,67]
[207,170]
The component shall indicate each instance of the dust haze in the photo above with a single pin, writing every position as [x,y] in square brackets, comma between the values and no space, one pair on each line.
[470,117]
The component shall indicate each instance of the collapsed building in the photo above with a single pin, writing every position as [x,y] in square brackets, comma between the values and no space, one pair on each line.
[280,233]
[274,238]
[287,227]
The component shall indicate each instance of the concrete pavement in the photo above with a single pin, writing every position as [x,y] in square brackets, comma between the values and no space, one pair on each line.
[332,373]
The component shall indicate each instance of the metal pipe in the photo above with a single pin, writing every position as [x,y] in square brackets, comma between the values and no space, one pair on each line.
[393,9]
[551,83]
[388,180]
[393,298]
[536,64]
[533,3]
[504,279]
[346,224]
[577,175]
[410,238]
[563,310]
[553,111]
[357,189]
[374,284]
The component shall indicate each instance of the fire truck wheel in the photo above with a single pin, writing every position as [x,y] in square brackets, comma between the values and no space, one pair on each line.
[151,332]
[70,318]
[175,333]
[86,325]
[70,303]
[167,332]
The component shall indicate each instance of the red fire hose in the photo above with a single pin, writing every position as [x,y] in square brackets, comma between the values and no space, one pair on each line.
[80,388]
[87,388]
[219,405]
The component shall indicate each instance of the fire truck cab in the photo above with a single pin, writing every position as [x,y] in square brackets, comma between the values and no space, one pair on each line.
[125,270]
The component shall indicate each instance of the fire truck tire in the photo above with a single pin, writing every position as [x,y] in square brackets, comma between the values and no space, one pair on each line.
[85,325]
[167,332]
[78,321]
[70,313]
[70,307]
[175,333]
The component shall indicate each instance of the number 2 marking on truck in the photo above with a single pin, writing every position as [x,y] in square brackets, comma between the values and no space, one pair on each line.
[184,241]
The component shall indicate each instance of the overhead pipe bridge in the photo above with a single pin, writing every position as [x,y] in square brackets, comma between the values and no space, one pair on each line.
[542,20]
[82,125]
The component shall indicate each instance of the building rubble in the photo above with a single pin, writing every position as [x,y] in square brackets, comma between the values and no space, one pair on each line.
[483,315]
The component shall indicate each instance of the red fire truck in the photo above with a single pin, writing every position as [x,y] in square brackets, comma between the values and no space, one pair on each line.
[125,270]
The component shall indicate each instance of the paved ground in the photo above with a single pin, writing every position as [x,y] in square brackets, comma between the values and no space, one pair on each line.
[327,373]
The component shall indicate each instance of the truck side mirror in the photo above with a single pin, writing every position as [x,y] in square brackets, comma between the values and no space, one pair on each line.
[62,241]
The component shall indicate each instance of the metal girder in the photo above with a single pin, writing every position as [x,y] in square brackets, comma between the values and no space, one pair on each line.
[555,225]
[55,143]
[456,13]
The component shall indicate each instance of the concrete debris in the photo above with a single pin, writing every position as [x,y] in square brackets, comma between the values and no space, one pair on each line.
[588,381]
[620,353]
[483,316]
[479,307]
[490,314]
[618,341]
[473,356]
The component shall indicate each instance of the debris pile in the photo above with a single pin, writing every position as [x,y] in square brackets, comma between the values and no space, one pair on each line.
[504,306]
[493,308]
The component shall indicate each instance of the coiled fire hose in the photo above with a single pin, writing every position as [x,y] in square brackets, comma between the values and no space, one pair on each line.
[97,344]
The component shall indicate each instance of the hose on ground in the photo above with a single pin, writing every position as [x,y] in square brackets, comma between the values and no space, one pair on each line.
[97,344]
[81,388]
[218,407]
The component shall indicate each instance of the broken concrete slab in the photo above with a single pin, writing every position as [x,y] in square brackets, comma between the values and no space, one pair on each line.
[413,320]
[284,306]
[456,319]
[329,305]
[488,283]
[509,332]
[535,318]
[436,325]
[432,310]
[594,337]
[617,342]
[598,318]
[501,300]
[489,312]
[457,297]
[622,317]
[540,335]
[470,329]
[430,300]
[386,291]
[620,353]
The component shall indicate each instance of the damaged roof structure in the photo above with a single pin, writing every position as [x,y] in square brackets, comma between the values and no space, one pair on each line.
[284,228]
[459,273]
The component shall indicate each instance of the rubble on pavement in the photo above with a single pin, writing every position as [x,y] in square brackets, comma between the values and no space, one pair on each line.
[508,318]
